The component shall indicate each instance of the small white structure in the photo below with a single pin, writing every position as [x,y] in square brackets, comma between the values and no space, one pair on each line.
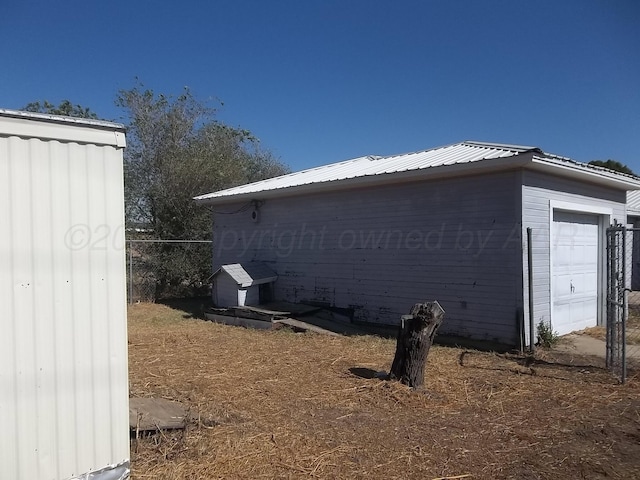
[242,284]
[63,348]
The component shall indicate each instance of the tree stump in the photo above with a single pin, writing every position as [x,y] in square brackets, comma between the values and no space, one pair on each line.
[415,337]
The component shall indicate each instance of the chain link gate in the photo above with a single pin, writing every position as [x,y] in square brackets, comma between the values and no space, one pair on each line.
[623,300]
[616,300]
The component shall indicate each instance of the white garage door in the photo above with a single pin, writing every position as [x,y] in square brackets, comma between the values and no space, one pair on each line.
[575,271]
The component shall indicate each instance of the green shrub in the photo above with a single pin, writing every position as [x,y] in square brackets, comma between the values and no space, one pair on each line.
[547,338]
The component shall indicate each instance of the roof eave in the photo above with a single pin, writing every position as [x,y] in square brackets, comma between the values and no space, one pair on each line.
[57,127]
[577,171]
[530,160]
[469,168]
[259,281]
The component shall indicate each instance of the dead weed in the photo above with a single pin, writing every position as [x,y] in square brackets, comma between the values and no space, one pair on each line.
[268,404]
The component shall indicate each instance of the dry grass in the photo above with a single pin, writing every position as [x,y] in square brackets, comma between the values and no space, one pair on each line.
[283,405]
[596,332]
[632,334]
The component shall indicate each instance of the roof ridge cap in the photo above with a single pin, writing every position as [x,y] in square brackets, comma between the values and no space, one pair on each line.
[505,146]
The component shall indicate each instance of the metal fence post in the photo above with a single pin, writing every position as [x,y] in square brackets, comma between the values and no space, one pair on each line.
[610,317]
[623,303]
[130,272]
[623,352]
[532,347]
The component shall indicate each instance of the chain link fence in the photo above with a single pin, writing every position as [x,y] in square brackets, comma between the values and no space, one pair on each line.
[168,269]
[623,300]
[632,324]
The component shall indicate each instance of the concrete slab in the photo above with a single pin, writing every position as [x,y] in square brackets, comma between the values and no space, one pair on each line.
[581,344]
[154,414]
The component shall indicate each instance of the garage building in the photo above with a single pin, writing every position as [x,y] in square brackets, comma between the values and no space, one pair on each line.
[373,235]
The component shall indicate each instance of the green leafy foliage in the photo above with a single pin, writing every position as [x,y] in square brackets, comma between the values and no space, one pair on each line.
[612,165]
[65,108]
[547,338]
[177,149]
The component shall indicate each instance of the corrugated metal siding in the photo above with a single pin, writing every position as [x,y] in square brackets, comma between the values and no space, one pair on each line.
[538,190]
[63,350]
[380,250]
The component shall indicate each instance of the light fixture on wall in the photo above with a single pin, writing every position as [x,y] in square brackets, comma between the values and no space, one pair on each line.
[255,212]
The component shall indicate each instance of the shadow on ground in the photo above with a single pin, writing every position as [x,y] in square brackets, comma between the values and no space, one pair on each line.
[368,373]
[544,363]
[193,307]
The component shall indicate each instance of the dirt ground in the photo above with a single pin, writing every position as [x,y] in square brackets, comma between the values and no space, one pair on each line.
[276,404]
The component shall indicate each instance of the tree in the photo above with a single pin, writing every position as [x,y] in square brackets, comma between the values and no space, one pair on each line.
[414,341]
[612,165]
[177,149]
[65,108]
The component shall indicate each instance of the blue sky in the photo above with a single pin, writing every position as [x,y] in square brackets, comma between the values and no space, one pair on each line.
[324,81]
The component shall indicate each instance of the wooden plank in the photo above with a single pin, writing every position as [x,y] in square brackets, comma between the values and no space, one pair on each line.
[292,309]
[265,325]
[307,327]
[256,313]
[154,414]
[262,311]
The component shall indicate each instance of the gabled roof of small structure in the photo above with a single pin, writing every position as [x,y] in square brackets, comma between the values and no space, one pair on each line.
[460,158]
[248,274]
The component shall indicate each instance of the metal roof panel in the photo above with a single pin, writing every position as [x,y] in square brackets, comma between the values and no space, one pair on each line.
[464,152]
[248,274]
[400,166]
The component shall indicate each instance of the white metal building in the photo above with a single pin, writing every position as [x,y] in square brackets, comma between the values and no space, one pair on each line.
[63,347]
[376,234]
